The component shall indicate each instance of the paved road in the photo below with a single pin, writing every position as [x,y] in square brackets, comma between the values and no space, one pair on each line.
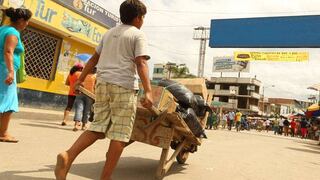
[225,155]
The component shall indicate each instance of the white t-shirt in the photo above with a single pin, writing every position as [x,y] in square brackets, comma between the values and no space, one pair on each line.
[281,122]
[118,50]
[267,122]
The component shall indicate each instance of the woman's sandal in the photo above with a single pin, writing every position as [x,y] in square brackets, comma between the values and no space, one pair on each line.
[9,140]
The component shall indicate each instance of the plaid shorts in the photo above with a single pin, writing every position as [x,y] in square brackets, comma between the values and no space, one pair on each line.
[114,111]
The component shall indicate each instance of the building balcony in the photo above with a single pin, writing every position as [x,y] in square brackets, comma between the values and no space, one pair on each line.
[221,92]
[255,95]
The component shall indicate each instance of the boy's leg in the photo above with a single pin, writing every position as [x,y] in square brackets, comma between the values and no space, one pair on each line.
[65,159]
[113,156]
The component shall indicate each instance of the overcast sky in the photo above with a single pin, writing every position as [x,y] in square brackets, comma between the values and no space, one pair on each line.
[169,27]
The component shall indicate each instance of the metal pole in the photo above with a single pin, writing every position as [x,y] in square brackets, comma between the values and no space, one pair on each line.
[262,100]
[202,34]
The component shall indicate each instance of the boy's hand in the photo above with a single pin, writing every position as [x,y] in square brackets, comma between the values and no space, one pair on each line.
[147,101]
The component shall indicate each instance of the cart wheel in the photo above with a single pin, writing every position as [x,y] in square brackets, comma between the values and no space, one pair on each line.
[182,156]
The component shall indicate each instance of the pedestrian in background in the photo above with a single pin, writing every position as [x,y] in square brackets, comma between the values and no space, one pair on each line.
[11,48]
[83,103]
[73,76]
[276,126]
[286,125]
[293,127]
[304,126]
[231,116]
[298,128]
[224,120]
[210,121]
[267,125]
[281,125]
[238,120]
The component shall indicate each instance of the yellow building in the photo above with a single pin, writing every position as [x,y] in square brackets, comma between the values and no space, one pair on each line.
[58,31]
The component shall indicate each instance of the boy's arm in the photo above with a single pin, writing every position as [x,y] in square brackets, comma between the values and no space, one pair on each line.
[143,71]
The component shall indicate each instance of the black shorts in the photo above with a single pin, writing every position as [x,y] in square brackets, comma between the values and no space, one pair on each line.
[71,100]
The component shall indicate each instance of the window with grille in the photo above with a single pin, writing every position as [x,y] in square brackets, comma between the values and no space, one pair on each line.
[41,53]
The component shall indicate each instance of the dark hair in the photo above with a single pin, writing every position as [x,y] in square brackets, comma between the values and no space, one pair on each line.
[75,69]
[131,9]
[16,14]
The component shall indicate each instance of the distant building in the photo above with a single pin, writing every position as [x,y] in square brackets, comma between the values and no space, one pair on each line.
[287,107]
[159,72]
[235,93]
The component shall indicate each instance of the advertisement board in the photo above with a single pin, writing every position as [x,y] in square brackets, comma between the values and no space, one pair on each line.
[228,64]
[266,32]
[271,56]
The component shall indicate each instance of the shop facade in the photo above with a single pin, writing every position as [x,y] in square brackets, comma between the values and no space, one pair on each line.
[58,31]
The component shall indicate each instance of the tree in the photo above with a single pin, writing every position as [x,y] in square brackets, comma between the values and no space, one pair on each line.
[182,72]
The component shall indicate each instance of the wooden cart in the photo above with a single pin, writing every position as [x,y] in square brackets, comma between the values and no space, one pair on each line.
[166,129]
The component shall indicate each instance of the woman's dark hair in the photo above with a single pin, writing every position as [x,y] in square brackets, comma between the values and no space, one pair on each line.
[16,14]
[131,9]
[75,69]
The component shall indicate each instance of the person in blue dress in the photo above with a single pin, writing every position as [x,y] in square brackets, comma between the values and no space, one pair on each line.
[10,50]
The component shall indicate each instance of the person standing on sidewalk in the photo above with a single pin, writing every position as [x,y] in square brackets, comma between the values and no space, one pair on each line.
[11,48]
[72,78]
[121,53]
[84,103]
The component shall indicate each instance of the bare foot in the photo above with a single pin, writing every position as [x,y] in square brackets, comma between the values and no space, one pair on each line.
[62,166]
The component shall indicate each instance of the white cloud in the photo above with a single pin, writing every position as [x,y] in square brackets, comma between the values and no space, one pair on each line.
[169,26]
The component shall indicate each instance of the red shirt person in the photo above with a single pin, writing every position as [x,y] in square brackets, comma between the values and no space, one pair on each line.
[293,127]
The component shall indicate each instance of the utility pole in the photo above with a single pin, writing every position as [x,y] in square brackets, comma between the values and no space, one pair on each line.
[202,34]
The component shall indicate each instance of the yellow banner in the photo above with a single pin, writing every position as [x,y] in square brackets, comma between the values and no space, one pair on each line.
[271,56]
[60,18]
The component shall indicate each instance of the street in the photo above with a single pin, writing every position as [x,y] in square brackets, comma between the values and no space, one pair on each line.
[224,155]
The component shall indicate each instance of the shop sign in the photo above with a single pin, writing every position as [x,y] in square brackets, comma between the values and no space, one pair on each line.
[55,16]
[91,10]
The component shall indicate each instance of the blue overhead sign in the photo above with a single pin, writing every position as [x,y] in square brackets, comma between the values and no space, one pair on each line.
[266,32]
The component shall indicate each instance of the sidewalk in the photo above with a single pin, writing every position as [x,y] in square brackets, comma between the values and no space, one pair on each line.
[41,114]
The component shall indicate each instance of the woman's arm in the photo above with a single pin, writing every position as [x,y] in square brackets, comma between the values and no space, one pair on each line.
[10,44]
